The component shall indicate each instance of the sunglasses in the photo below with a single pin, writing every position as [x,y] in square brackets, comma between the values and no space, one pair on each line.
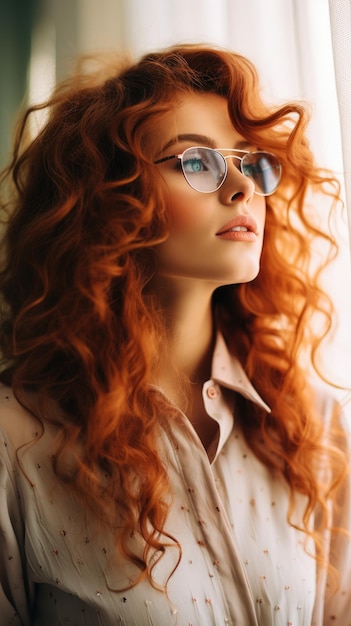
[206,169]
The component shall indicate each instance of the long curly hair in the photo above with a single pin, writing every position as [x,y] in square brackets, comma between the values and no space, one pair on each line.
[85,215]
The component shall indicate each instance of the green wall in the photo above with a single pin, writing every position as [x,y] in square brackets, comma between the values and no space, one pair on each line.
[17,18]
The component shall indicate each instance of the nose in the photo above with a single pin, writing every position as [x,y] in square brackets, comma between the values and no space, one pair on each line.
[236,186]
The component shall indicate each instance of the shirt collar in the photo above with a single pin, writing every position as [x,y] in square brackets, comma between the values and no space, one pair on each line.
[228,372]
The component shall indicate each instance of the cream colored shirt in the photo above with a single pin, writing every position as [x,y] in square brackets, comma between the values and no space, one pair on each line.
[242,564]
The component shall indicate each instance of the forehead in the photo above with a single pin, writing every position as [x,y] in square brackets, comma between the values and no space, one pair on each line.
[196,114]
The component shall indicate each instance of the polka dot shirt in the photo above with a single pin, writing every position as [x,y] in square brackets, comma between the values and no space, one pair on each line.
[241,563]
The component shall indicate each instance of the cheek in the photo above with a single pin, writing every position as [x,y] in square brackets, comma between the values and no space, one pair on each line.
[186,212]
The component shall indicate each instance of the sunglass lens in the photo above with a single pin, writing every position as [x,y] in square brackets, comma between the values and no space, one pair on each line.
[264,169]
[203,168]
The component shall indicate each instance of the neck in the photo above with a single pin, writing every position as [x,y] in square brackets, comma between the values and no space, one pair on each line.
[187,307]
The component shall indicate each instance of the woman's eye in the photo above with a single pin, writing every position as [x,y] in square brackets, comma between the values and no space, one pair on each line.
[252,170]
[194,165]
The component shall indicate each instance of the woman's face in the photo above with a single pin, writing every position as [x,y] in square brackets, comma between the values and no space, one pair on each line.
[217,236]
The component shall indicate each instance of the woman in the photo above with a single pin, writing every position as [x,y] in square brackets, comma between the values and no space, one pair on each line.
[165,459]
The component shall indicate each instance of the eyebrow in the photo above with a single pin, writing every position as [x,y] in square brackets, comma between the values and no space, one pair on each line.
[199,139]
[203,140]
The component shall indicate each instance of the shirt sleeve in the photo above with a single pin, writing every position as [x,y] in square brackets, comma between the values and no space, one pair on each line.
[335,590]
[14,590]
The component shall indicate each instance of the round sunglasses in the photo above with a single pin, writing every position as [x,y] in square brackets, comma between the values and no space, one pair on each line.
[205,169]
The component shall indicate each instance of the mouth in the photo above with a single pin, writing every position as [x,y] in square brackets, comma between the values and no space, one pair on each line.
[238,229]
[240,223]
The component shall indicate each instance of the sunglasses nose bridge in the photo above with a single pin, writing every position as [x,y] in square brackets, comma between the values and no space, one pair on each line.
[238,178]
[237,164]
[230,157]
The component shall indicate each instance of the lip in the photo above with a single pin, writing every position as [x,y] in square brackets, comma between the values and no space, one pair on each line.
[239,221]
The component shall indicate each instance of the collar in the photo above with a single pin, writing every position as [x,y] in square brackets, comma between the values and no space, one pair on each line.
[228,372]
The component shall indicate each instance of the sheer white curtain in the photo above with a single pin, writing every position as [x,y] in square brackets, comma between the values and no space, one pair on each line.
[340,20]
[291,42]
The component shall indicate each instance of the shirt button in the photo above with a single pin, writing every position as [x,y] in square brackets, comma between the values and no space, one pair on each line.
[212,392]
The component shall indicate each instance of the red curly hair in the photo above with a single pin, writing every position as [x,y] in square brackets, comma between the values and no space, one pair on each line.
[85,216]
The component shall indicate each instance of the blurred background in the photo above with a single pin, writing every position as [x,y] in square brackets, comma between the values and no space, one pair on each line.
[302,49]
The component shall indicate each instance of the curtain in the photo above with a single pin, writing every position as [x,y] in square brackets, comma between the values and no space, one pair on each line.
[340,21]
